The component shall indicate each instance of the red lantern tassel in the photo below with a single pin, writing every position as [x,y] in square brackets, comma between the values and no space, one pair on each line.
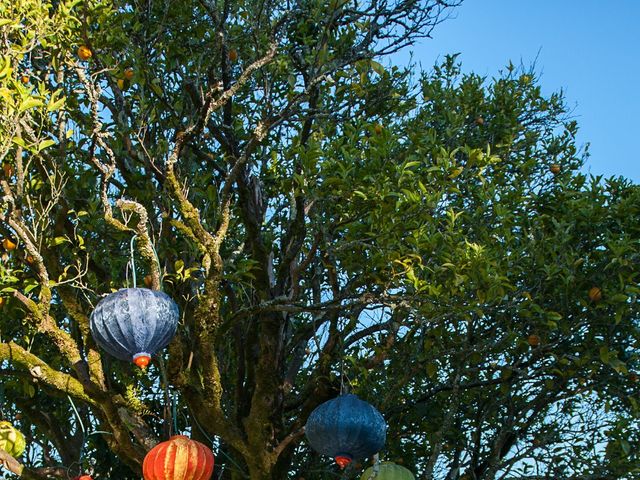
[343,460]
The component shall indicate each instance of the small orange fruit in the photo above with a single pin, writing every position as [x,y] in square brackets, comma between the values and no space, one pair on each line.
[595,294]
[24,78]
[533,340]
[378,129]
[8,244]
[479,121]
[148,281]
[84,53]
[121,84]
[128,73]
[29,259]
[233,55]
[1,301]
[555,169]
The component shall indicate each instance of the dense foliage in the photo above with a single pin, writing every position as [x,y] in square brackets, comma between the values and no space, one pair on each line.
[327,222]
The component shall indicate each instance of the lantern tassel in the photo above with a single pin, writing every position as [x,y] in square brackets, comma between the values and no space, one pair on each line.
[343,461]
[142,360]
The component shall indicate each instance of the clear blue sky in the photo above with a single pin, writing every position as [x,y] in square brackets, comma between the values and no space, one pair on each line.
[591,48]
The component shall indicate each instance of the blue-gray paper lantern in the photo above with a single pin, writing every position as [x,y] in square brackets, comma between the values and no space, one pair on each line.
[346,428]
[134,323]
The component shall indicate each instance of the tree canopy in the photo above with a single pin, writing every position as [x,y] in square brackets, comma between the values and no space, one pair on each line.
[328,221]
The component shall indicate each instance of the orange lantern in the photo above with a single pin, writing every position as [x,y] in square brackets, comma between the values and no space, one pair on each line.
[178,458]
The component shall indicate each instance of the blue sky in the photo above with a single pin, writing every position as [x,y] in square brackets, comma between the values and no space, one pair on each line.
[590,48]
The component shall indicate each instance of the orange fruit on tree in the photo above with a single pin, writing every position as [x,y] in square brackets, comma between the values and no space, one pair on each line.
[84,53]
[555,169]
[479,120]
[1,301]
[595,294]
[233,55]
[24,78]
[8,244]
[533,340]
[128,73]
[29,259]
[378,129]
[121,84]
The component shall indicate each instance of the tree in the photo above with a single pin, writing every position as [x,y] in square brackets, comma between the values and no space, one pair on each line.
[326,221]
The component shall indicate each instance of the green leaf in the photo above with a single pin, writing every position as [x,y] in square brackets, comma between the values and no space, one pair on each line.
[179,266]
[626,448]
[30,103]
[58,241]
[377,67]
[604,355]
[55,103]
[45,144]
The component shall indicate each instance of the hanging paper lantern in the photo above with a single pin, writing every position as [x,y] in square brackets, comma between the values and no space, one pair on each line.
[179,458]
[387,471]
[134,323]
[11,440]
[346,428]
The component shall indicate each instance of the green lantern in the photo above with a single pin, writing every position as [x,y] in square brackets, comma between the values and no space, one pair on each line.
[387,471]
[11,440]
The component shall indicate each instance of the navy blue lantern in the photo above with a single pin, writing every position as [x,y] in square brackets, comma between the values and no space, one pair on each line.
[134,323]
[346,428]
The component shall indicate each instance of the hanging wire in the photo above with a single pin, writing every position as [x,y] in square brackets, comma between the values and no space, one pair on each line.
[220,450]
[133,260]
[342,375]
[126,273]
[167,400]
[174,412]
[84,431]
[85,436]
[376,467]
[1,400]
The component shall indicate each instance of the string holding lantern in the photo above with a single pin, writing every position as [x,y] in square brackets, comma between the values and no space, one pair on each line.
[11,439]
[387,471]
[346,428]
[179,458]
[134,323]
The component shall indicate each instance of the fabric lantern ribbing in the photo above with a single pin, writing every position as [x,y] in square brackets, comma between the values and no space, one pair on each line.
[134,323]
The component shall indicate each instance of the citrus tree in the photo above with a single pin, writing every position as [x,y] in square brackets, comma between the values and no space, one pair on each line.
[327,221]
